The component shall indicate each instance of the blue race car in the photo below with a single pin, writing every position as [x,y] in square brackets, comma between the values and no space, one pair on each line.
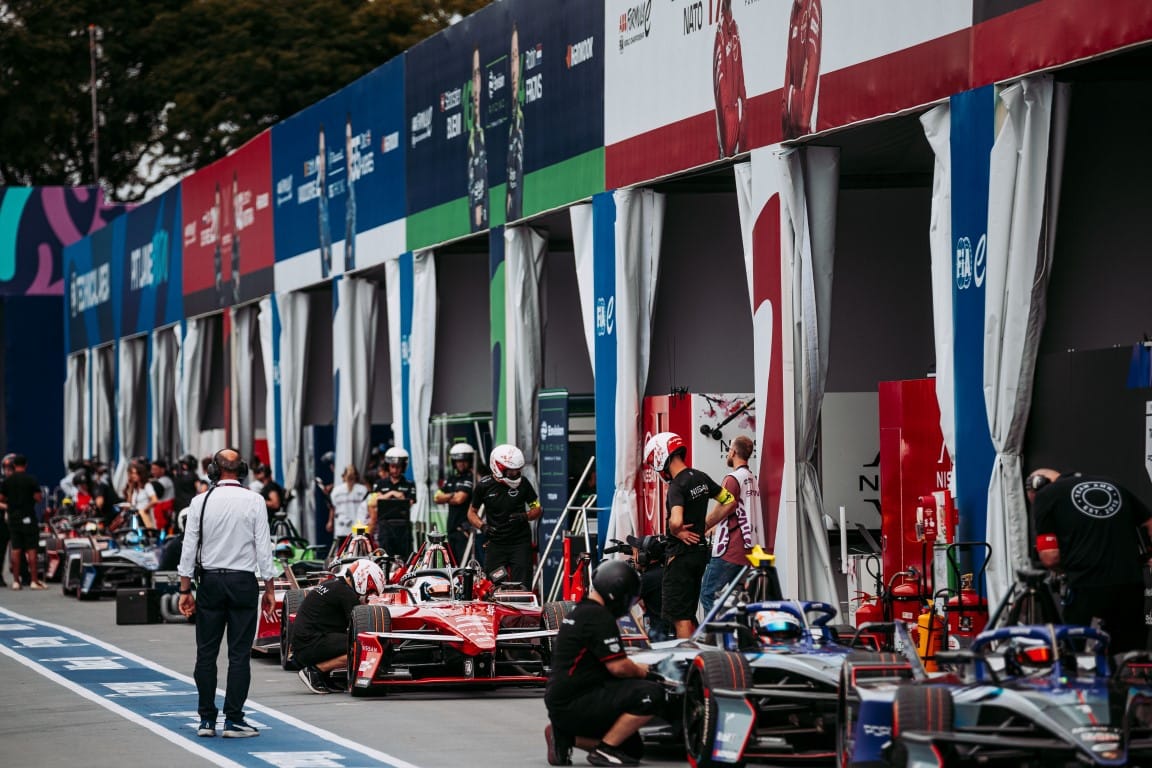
[1022,696]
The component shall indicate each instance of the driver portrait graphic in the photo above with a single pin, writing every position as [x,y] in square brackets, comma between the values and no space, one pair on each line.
[477,154]
[802,69]
[728,84]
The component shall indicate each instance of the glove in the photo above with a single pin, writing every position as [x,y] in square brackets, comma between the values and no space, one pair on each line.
[487,529]
[516,518]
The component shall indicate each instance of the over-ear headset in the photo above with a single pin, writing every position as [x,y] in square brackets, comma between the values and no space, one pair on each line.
[217,464]
[1037,481]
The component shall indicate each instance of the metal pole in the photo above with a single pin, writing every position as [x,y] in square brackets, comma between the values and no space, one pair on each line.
[92,91]
[560,521]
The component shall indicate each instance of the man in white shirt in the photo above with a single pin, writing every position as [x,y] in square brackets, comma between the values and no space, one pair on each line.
[227,539]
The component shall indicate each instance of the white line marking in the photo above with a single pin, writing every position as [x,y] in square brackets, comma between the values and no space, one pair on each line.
[158,729]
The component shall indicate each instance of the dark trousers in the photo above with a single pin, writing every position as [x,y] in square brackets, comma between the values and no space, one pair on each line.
[225,601]
[458,532]
[4,550]
[1120,609]
[517,558]
[396,539]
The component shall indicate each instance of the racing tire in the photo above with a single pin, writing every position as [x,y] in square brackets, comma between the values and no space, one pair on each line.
[289,607]
[551,616]
[918,708]
[365,618]
[844,718]
[710,670]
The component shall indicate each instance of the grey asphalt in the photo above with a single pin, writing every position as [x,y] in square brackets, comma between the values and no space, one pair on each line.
[45,724]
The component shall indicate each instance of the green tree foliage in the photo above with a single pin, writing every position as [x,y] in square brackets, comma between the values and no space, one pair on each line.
[182,80]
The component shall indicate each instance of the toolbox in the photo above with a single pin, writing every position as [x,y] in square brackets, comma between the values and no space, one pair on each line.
[137,605]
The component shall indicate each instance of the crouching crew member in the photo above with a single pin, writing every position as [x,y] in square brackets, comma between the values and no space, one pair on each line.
[510,503]
[320,631]
[597,697]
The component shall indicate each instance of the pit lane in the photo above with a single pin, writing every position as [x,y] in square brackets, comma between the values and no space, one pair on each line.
[42,722]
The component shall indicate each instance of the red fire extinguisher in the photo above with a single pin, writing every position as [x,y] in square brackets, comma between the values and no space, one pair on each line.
[967,612]
[907,597]
[869,609]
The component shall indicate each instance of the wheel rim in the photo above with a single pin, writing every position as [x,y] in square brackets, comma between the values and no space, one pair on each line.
[695,707]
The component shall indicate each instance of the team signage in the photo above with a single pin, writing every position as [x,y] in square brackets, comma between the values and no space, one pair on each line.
[89,318]
[149,267]
[505,117]
[338,170]
[689,82]
[227,236]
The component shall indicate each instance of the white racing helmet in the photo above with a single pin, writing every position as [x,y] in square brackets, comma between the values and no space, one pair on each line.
[461,452]
[660,449]
[367,577]
[777,627]
[396,455]
[506,463]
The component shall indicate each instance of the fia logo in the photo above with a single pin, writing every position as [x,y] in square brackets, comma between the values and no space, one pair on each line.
[970,266]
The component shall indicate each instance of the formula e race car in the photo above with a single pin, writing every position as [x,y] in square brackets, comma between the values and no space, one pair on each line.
[1021,696]
[448,626]
[100,565]
[766,692]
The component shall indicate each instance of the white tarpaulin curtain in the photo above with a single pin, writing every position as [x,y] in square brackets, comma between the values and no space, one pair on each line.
[582,245]
[396,354]
[1025,175]
[354,366]
[810,184]
[523,263]
[243,341]
[937,124]
[267,351]
[421,364]
[639,230]
[192,386]
[75,385]
[103,402]
[293,311]
[130,404]
[162,376]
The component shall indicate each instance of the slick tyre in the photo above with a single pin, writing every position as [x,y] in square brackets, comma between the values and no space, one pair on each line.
[365,618]
[551,617]
[918,708]
[709,671]
[857,666]
[288,608]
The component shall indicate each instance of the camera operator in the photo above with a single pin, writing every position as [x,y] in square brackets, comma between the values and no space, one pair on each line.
[597,697]
[648,554]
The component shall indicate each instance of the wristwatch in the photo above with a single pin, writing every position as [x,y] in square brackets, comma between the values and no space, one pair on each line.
[184,591]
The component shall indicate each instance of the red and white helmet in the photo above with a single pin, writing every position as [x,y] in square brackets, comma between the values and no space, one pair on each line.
[368,578]
[660,449]
[506,463]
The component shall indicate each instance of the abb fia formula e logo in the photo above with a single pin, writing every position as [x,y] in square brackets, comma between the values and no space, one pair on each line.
[970,265]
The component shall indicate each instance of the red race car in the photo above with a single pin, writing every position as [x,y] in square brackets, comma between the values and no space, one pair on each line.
[450,626]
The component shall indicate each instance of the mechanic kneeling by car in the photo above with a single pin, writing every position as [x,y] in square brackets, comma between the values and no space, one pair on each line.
[597,697]
[320,631]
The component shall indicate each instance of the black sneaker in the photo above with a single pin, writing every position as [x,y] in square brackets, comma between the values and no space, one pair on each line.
[314,679]
[238,729]
[605,754]
[559,748]
[207,728]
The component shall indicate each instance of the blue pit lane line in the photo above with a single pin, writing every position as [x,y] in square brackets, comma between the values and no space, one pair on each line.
[164,701]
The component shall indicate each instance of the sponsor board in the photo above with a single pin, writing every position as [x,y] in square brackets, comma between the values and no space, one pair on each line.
[150,266]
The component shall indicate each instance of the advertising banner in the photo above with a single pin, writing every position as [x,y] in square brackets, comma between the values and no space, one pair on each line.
[227,240]
[690,82]
[972,133]
[88,301]
[36,223]
[148,286]
[553,410]
[339,178]
[505,117]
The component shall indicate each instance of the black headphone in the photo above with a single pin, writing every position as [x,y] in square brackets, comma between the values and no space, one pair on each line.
[217,464]
[1037,481]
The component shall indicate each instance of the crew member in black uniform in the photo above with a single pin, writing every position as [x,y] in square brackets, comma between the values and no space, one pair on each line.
[457,493]
[20,493]
[515,202]
[597,697]
[1086,526]
[320,632]
[395,495]
[509,504]
[689,491]
[477,154]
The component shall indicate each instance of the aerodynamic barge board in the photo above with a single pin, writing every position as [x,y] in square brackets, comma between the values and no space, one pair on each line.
[164,701]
